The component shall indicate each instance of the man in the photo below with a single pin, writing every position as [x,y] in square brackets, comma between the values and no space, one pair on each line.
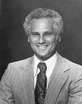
[46,77]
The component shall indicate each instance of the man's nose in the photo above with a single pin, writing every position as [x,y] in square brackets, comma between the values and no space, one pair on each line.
[41,40]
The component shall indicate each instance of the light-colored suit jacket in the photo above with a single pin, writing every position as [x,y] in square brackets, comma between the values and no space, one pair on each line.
[65,86]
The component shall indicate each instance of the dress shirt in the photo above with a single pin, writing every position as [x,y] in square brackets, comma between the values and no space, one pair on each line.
[50,63]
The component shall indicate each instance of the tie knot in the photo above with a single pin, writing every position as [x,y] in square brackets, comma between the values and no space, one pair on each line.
[42,67]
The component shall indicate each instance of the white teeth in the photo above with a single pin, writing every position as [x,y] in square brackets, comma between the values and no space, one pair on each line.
[42,47]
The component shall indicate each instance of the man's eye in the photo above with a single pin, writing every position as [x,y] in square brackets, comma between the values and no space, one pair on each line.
[35,34]
[48,33]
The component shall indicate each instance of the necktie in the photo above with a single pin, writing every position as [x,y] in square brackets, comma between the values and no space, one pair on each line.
[40,89]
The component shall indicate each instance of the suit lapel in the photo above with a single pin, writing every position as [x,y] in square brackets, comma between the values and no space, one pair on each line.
[29,84]
[57,80]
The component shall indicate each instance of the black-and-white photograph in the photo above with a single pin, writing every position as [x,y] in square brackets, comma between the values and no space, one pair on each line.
[40,51]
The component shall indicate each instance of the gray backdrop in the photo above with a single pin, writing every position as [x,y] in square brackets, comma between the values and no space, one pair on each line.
[13,42]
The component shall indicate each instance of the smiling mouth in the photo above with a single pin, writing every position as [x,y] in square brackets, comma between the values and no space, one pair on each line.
[42,46]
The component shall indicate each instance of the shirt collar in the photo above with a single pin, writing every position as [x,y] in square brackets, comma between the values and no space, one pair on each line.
[49,62]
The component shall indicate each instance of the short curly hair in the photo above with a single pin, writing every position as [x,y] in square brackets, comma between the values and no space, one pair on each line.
[43,13]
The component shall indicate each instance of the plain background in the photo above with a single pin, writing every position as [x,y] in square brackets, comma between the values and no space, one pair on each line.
[13,42]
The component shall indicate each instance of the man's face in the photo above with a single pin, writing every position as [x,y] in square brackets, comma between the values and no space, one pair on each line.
[43,39]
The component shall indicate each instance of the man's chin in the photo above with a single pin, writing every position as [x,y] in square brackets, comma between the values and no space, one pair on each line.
[42,56]
[42,53]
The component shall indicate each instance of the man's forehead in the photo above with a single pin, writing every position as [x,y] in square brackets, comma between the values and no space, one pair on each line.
[41,23]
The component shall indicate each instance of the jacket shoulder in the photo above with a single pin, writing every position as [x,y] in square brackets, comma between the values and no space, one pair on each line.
[20,63]
[15,68]
[70,63]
